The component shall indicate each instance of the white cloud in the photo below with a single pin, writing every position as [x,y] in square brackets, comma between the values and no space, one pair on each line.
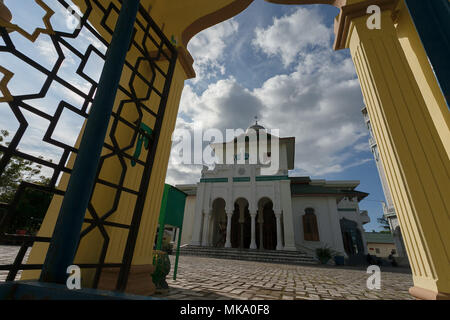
[320,106]
[290,34]
[318,103]
[208,49]
[224,104]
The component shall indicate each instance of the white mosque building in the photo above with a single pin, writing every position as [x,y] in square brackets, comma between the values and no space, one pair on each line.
[236,206]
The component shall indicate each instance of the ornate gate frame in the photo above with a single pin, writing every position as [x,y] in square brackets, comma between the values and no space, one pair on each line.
[158,56]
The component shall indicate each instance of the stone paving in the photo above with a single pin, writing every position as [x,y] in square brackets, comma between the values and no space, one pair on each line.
[7,256]
[208,278]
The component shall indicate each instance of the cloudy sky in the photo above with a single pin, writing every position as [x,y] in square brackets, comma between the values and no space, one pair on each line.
[271,61]
[277,63]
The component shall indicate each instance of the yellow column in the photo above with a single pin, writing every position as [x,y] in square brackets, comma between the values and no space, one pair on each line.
[412,151]
[139,281]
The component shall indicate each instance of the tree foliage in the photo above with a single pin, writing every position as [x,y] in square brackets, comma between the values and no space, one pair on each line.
[384,223]
[32,204]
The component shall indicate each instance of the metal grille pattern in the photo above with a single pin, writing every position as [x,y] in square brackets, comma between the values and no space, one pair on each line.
[150,72]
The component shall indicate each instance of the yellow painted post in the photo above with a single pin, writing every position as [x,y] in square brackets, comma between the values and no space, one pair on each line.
[412,152]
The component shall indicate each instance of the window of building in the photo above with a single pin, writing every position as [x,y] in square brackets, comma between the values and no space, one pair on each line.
[377,250]
[310,230]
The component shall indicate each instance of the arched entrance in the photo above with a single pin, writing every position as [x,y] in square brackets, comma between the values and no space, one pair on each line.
[241,225]
[352,238]
[219,223]
[266,225]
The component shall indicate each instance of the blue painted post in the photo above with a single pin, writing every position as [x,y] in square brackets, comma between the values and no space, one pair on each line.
[63,246]
[432,22]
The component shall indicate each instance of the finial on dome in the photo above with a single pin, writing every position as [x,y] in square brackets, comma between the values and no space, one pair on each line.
[256,126]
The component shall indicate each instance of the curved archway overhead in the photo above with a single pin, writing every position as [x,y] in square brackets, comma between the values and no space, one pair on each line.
[230,10]
[181,20]
[236,7]
[336,3]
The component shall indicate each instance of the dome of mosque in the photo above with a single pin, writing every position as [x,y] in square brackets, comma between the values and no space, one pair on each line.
[256,127]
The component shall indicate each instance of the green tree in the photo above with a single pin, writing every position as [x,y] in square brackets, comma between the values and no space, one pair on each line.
[32,203]
[384,223]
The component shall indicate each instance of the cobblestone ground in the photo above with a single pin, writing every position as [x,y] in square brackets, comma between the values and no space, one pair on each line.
[207,278]
[7,255]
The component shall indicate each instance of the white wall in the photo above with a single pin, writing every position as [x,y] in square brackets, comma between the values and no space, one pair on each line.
[325,210]
[188,220]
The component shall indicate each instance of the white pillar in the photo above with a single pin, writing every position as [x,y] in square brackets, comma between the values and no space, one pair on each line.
[241,222]
[205,241]
[253,241]
[288,217]
[198,220]
[228,238]
[279,241]
[261,230]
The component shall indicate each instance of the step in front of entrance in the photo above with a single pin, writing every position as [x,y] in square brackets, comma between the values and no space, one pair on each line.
[272,256]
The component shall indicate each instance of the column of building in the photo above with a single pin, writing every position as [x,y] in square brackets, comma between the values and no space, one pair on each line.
[411,150]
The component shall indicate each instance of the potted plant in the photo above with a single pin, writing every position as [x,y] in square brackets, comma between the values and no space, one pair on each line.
[324,254]
[167,247]
[161,262]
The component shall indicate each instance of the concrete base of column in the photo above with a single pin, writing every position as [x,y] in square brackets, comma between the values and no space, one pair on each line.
[139,280]
[289,248]
[253,246]
[228,245]
[425,294]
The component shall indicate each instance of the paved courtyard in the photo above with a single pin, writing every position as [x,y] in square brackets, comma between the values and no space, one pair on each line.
[7,256]
[207,278]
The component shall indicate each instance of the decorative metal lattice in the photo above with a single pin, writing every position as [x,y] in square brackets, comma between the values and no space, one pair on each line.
[55,102]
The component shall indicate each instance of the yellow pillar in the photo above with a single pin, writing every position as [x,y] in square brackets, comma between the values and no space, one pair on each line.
[411,148]
[179,20]
[90,246]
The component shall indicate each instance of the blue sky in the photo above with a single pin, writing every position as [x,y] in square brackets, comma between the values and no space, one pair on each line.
[271,61]
[276,62]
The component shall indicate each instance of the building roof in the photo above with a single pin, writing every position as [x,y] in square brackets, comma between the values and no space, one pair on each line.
[304,186]
[376,237]
[189,189]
